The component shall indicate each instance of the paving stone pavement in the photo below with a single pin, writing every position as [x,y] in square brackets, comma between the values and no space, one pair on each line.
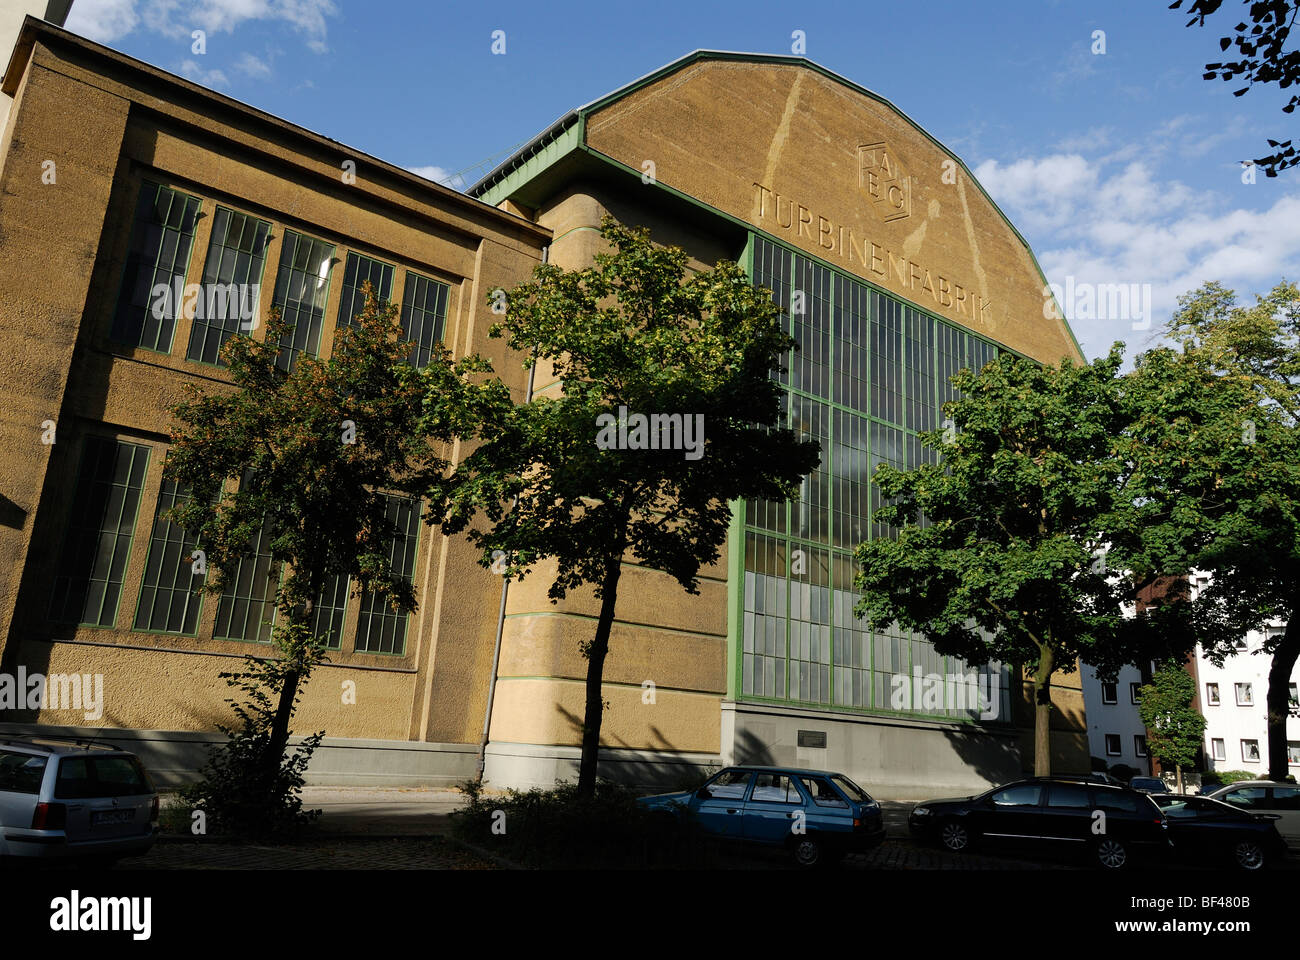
[407,853]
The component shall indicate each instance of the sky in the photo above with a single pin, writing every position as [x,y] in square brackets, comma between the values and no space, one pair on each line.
[1086,120]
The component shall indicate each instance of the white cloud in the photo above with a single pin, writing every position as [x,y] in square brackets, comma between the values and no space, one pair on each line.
[252,66]
[440,175]
[108,20]
[1112,220]
[191,70]
[103,20]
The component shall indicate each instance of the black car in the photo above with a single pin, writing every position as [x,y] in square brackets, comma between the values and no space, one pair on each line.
[1207,830]
[1112,825]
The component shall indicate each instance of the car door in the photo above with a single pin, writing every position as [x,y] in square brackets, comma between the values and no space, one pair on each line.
[721,812]
[775,808]
[1285,802]
[1066,816]
[21,776]
[1010,814]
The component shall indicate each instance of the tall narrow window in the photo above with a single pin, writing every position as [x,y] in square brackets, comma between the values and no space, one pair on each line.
[169,602]
[329,610]
[159,255]
[380,628]
[301,288]
[247,607]
[359,269]
[424,314]
[232,277]
[104,507]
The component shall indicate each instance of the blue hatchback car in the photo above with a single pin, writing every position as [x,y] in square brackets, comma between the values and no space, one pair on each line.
[815,814]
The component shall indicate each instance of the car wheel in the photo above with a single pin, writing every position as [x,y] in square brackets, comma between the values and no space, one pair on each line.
[1248,855]
[1110,854]
[954,836]
[808,852]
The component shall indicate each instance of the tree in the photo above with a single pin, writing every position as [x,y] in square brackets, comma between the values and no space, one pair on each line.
[307,459]
[668,412]
[999,547]
[1174,728]
[1260,38]
[1219,459]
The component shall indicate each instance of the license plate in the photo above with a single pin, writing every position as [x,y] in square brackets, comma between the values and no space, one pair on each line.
[101,817]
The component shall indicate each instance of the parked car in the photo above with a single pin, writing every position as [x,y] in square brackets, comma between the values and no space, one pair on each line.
[1267,796]
[816,814]
[74,799]
[1054,815]
[1205,829]
[1104,778]
[1148,785]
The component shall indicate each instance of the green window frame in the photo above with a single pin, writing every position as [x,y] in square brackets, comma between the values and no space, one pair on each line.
[870,376]
[357,270]
[246,610]
[162,238]
[424,316]
[301,291]
[235,266]
[101,527]
[380,628]
[329,612]
[170,599]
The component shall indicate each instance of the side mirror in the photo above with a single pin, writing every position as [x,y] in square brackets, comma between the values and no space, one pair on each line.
[703,793]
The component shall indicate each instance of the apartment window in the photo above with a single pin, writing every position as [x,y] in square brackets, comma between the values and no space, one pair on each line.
[1112,745]
[1250,751]
[1245,695]
[162,236]
[168,600]
[110,479]
[1139,745]
[1293,752]
[1212,694]
[1133,695]
[1218,749]
[1239,644]
[246,610]
[424,314]
[232,277]
[301,289]
[1293,695]
[1110,693]
[380,628]
[358,270]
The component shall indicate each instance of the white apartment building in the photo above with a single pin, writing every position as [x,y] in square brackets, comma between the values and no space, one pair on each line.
[1115,731]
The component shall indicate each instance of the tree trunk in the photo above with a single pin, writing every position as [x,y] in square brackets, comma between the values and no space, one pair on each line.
[1043,712]
[595,672]
[1178,776]
[1279,698]
[288,693]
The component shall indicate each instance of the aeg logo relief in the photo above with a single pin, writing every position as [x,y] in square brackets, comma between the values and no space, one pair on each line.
[884,181]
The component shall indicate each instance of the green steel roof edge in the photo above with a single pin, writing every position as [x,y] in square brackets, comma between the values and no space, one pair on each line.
[560,143]
[575,122]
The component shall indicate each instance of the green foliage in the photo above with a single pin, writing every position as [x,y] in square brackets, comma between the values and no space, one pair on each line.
[1174,727]
[561,829]
[1224,778]
[237,792]
[1123,772]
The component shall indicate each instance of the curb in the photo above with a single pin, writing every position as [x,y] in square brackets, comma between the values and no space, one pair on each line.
[478,851]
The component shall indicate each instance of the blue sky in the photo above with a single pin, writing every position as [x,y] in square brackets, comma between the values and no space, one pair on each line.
[1118,167]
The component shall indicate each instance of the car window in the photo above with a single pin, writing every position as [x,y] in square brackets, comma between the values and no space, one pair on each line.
[822,792]
[1068,795]
[83,777]
[1121,802]
[1286,798]
[21,772]
[851,789]
[1248,797]
[1023,795]
[730,784]
[775,788]
[1193,808]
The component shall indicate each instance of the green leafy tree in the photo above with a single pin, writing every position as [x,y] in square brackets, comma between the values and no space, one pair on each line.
[307,457]
[1174,728]
[1217,455]
[574,477]
[1000,552]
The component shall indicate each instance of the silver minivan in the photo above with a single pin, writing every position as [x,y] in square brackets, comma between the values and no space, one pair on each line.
[74,799]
